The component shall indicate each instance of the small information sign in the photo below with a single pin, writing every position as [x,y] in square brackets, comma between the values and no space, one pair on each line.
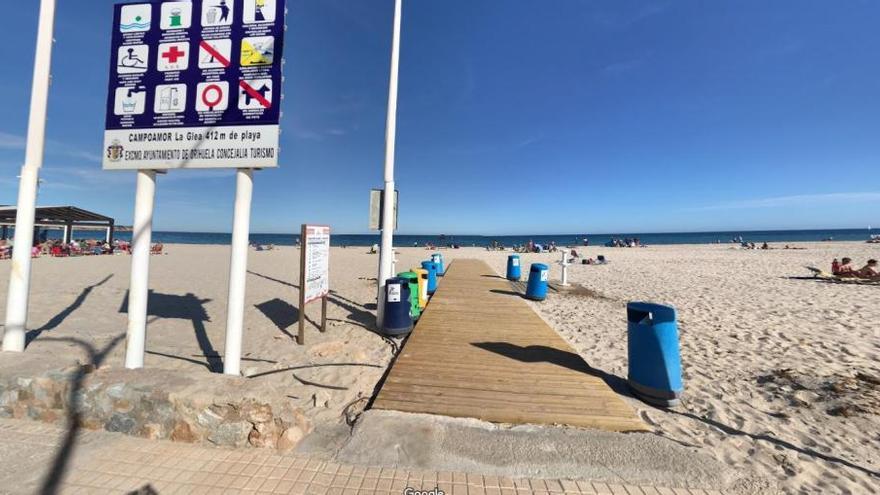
[316,250]
[314,279]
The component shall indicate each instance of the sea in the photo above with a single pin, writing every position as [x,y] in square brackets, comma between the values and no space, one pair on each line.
[405,240]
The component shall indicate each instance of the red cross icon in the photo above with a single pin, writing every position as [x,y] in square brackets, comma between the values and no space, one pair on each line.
[173,54]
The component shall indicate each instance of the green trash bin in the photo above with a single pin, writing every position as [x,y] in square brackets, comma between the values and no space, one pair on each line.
[412,279]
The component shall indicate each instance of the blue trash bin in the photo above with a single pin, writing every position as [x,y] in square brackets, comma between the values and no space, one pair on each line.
[397,319]
[438,258]
[537,288]
[652,347]
[432,275]
[513,268]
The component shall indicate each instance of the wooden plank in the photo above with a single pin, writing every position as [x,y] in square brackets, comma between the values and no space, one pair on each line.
[480,352]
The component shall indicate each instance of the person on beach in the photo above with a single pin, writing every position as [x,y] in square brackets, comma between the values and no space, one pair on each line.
[845,268]
[869,271]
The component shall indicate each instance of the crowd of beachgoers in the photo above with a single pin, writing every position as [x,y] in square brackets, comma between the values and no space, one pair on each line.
[76,247]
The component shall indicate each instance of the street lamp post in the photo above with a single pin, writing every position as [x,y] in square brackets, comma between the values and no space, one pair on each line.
[386,254]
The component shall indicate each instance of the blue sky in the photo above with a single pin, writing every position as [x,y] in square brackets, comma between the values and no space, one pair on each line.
[514,117]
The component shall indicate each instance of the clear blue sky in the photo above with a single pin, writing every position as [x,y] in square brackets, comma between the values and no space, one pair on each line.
[515,117]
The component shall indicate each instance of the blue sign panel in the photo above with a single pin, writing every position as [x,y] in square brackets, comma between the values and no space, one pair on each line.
[195,84]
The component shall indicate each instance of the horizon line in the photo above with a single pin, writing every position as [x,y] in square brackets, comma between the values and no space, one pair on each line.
[569,234]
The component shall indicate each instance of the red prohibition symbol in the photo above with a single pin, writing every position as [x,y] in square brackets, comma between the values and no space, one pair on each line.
[209,92]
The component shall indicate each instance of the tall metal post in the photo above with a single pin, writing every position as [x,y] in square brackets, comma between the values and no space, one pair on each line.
[139,289]
[20,275]
[386,255]
[241,219]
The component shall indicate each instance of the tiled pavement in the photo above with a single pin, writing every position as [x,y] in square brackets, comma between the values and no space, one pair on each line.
[113,463]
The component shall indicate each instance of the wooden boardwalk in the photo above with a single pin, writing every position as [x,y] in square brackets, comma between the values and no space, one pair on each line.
[479,351]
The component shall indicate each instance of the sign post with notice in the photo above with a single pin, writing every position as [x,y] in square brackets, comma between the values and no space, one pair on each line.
[314,273]
[193,84]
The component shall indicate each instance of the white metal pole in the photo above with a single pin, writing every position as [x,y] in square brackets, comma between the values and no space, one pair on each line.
[20,275]
[564,264]
[241,218]
[139,287]
[385,253]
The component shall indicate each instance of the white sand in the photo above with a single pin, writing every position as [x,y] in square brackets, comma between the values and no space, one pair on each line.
[740,319]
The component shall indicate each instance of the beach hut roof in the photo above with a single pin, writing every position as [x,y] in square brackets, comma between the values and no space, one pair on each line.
[58,215]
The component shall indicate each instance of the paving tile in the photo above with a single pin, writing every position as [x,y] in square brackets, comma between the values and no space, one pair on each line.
[554,486]
[283,486]
[339,481]
[521,484]
[269,485]
[476,490]
[587,487]
[314,489]
[384,484]
[569,486]
[506,483]
[475,479]
[308,476]
[538,485]
[354,482]
[322,479]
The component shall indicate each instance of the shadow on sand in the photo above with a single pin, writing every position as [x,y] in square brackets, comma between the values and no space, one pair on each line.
[570,360]
[187,307]
[60,317]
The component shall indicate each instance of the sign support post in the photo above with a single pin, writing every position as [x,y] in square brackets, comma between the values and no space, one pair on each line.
[241,218]
[303,243]
[386,254]
[192,85]
[139,289]
[20,276]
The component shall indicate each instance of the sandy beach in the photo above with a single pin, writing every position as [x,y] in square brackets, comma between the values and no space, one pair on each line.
[781,373]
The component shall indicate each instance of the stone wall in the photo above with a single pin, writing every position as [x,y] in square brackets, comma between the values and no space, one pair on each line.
[156,404]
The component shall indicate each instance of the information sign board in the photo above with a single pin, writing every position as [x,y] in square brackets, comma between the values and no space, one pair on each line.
[314,273]
[316,261]
[195,84]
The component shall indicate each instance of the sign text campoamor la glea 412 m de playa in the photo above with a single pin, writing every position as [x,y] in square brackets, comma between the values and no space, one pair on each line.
[195,84]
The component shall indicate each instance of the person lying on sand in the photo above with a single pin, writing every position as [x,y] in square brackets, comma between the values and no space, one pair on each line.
[869,271]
